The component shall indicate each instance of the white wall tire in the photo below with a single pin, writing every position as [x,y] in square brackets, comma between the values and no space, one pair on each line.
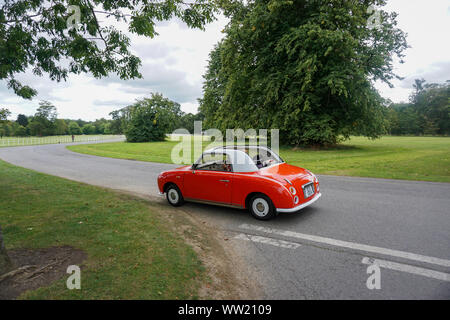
[174,196]
[261,207]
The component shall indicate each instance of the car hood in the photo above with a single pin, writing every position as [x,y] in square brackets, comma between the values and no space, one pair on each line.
[297,176]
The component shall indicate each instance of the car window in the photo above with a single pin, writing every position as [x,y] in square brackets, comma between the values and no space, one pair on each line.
[262,157]
[214,162]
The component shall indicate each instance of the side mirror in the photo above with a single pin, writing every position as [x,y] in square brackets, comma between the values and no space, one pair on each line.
[194,166]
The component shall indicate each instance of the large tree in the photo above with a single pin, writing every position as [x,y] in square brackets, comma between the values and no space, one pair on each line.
[4,125]
[44,120]
[44,36]
[152,118]
[427,113]
[306,67]
[22,120]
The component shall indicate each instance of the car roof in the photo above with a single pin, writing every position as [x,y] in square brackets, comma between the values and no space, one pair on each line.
[240,160]
[238,147]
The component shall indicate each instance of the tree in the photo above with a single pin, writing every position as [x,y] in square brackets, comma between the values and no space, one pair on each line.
[187,122]
[22,120]
[42,35]
[152,118]
[61,127]
[20,131]
[88,129]
[428,111]
[43,122]
[99,125]
[304,67]
[4,114]
[7,129]
[46,110]
[432,104]
[404,120]
[119,121]
[74,128]
[107,128]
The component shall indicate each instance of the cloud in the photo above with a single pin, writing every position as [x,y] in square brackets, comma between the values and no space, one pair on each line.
[437,72]
[172,64]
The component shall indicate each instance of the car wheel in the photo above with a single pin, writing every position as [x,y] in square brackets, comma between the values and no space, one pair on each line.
[174,196]
[261,207]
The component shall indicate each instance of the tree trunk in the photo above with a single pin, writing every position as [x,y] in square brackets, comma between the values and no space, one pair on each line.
[5,262]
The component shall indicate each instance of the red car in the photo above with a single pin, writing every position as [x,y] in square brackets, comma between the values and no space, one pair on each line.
[246,177]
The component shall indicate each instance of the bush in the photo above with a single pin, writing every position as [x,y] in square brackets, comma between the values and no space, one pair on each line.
[88,129]
[20,131]
[152,118]
[74,128]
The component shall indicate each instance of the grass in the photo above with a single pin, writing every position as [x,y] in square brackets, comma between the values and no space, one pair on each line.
[132,251]
[27,141]
[408,158]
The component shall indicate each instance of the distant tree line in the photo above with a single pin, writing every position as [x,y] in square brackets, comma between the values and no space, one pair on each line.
[427,113]
[45,123]
[150,119]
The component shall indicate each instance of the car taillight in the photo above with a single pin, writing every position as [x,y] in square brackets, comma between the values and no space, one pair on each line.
[292,190]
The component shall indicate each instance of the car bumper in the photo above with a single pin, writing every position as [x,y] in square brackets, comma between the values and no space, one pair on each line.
[301,206]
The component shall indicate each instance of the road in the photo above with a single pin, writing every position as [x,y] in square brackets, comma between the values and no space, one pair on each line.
[360,225]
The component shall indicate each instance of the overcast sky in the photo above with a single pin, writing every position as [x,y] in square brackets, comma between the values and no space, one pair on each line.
[173,64]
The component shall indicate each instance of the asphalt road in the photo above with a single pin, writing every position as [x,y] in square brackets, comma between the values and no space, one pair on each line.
[401,228]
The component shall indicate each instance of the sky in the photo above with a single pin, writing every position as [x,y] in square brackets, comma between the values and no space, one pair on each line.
[174,61]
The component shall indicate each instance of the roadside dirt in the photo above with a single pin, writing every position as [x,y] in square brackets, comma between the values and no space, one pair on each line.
[35,268]
[228,276]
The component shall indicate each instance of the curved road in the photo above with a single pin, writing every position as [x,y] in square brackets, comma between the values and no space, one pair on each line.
[386,233]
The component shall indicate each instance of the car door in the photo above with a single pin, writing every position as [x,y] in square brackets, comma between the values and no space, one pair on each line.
[208,183]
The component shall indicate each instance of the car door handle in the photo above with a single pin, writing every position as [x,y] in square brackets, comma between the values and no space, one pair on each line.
[224,180]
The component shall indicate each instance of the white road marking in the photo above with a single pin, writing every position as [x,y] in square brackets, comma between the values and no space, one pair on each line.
[273,242]
[350,245]
[407,268]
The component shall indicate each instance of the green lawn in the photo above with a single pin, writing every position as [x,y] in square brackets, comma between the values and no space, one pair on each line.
[133,252]
[409,158]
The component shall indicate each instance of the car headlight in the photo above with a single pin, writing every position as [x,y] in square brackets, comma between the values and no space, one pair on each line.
[292,190]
